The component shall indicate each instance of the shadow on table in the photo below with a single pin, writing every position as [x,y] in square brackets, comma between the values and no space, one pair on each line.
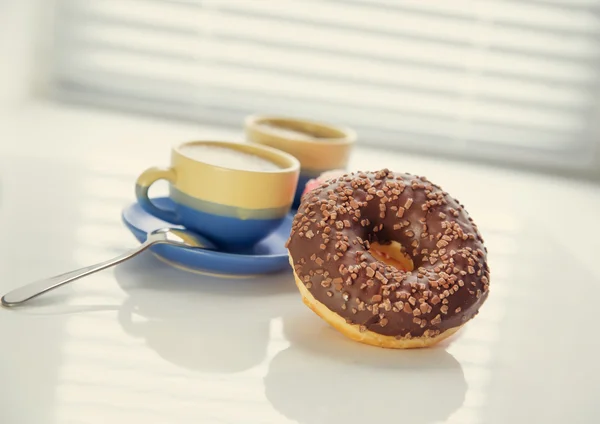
[200,322]
[325,378]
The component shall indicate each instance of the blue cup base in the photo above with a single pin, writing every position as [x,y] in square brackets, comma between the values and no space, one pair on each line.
[229,234]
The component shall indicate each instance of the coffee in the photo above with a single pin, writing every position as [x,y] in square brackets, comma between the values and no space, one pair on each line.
[227,158]
[285,132]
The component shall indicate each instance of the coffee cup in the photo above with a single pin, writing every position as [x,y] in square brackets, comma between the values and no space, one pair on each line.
[319,147]
[235,194]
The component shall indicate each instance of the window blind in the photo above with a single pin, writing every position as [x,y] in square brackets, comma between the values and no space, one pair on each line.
[511,80]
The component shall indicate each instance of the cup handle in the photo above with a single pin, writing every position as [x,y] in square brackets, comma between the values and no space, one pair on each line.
[143,183]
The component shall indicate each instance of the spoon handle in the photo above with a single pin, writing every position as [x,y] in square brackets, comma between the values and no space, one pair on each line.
[28,292]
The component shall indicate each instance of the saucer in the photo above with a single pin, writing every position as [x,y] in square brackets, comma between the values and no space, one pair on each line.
[267,256]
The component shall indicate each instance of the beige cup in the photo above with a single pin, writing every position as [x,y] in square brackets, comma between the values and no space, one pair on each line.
[235,208]
[319,147]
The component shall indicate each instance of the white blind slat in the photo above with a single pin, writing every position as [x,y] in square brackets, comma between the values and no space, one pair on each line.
[557,15]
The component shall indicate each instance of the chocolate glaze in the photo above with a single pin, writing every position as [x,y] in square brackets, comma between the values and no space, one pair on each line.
[330,240]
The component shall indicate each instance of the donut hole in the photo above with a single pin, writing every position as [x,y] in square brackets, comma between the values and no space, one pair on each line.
[392,253]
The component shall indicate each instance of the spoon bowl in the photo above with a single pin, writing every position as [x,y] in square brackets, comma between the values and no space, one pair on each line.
[177,236]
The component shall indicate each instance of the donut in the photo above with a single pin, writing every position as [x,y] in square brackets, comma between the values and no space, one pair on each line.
[388,259]
[316,182]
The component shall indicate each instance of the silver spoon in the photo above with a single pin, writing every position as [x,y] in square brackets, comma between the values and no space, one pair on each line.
[172,236]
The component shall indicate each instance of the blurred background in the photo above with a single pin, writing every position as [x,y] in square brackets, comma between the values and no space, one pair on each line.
[510,83]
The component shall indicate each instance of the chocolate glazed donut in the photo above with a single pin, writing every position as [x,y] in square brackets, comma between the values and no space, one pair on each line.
[388,259]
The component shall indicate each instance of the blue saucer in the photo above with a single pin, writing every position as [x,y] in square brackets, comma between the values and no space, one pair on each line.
[268,256]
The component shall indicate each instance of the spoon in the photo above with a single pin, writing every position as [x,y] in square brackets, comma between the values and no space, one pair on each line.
[173,236]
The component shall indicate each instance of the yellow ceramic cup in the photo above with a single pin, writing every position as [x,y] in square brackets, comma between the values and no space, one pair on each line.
[319,147]
[229,197]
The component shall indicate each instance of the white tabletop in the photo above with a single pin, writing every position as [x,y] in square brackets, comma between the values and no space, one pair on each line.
[144,343]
